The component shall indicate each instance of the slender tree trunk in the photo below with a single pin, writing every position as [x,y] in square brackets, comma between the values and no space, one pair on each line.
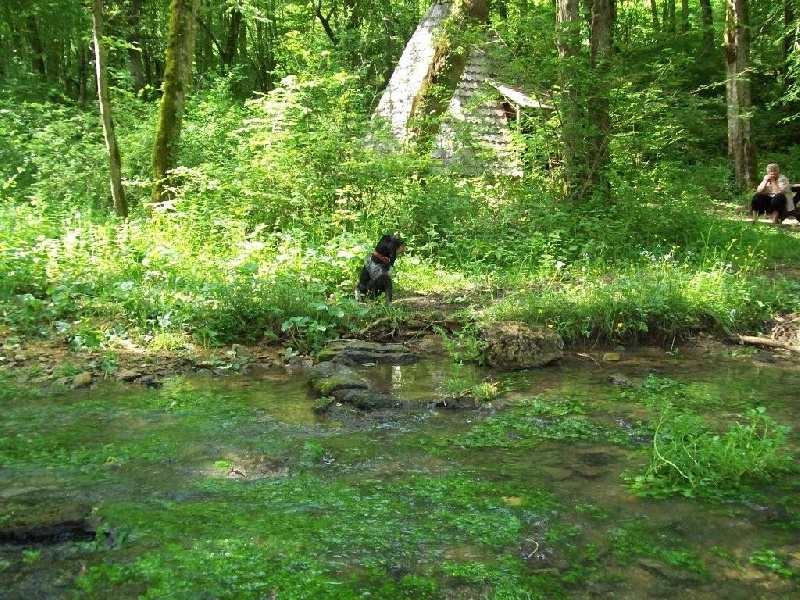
[35,39]
[114,161]
[177,76]
[654,15]
[135,60]
[737,50]
[669,16]
[707,17]
[325,21]
[84,68]
[684,16]
[232,39]
[572,121]
[602,15]
[265,56]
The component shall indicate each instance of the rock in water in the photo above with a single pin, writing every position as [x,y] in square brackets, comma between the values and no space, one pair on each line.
[511,345]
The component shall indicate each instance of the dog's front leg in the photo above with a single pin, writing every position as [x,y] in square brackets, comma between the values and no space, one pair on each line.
[389,289]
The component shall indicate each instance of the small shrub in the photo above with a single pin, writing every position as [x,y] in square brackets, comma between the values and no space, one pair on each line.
[463,346]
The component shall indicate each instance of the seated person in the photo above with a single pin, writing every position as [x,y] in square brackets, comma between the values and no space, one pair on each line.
[773,196]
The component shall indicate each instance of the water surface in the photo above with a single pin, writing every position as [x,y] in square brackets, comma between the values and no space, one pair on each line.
[236,488]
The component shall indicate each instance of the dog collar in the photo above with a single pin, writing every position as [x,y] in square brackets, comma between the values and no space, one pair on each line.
[381,257]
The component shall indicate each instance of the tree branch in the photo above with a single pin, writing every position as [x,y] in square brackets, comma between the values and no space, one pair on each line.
[760,341]
[326,22]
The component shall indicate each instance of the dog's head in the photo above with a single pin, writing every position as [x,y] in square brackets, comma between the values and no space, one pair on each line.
[390,246]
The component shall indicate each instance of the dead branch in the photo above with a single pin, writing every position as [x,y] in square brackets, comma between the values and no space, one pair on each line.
[760,341]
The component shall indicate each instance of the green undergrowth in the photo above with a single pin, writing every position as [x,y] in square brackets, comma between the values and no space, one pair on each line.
[268,225]
[715,458]
[163,283]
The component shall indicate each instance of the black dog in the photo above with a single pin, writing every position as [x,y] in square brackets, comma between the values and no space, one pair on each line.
[376,277]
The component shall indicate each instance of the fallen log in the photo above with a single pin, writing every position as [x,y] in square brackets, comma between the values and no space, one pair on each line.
[760,341]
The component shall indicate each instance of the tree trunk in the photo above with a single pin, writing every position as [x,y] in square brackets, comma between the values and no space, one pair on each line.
[325,21]
[83,75]
[669,16]
[572,122]
[232,39]
[654,15]
[37,46]
[737,51]
[114,161]
[445,72]
[177,76]
[684,16]
[135,59]
[603,15]
[707,17]
[265,55]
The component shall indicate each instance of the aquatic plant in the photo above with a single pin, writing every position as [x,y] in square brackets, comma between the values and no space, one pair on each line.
[693,457]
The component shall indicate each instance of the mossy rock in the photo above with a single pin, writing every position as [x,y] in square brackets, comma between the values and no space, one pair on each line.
[327,387]
[41,517]
[512,346]
[365,399]
[359,352]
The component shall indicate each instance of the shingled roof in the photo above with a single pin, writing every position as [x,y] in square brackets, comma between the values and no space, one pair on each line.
[474,134]
[397,100]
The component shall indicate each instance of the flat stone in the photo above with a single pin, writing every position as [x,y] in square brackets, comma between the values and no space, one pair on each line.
[359,352]
[127,375]
[364,399]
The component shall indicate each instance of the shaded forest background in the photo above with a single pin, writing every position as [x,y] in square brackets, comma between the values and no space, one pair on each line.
[271,181]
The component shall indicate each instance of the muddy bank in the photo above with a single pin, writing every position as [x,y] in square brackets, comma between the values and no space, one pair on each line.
[52,362]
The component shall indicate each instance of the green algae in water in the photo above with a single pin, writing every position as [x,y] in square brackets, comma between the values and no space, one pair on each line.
[306,533]
[422,503]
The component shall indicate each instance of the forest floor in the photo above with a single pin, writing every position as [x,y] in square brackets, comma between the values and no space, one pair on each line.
[51,362]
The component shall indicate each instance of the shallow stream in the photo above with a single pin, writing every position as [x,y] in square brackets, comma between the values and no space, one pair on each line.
[235,487]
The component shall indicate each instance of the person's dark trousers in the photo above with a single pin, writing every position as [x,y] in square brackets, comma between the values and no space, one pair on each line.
[763,203]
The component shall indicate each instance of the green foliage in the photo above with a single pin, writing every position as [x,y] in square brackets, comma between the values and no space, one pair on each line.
[660,294]
[695,458]
[55,159]
[637,539]
[278,199]
[463,346]
[772,561]
[461,385]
